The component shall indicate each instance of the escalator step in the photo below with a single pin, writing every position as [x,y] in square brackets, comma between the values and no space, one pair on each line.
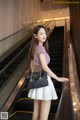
[56,49]
[27,105]
[55,55]
[24,93]
[24,104]
[22,115]
[54,66]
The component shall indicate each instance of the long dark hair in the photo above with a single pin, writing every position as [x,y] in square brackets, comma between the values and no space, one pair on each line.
[34,41]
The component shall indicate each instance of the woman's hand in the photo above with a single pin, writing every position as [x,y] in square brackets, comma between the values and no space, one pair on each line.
[63,79]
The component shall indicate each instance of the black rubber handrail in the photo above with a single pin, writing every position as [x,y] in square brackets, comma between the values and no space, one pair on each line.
[65,108]
[17,32]
[13,59]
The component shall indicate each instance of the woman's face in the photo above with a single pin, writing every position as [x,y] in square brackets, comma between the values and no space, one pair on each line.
[41,36]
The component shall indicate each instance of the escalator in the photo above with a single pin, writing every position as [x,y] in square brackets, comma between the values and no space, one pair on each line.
[12,62]
[23,107]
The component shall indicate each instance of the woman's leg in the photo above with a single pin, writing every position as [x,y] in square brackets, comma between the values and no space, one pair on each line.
[36,110]
[44,110]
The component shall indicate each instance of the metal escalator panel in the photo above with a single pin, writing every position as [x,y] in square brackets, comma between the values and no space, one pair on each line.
[12,62]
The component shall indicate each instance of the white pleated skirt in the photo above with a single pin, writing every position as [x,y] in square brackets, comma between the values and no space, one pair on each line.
[44,93]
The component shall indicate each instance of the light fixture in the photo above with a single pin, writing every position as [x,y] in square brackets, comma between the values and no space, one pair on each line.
[74,103]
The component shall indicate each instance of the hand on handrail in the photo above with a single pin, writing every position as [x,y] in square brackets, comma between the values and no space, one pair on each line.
[63,79]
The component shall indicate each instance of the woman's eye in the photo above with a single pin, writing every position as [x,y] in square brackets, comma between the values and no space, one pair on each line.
[42,33]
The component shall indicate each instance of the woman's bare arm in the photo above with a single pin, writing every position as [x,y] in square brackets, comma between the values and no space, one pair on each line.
[48,70]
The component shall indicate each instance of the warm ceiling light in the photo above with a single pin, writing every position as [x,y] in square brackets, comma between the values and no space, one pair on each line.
[49,14]
[38,21]
[60,18]
[75,109]
[74,103]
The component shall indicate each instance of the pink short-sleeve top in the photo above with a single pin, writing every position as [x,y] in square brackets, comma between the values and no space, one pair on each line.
[38,50]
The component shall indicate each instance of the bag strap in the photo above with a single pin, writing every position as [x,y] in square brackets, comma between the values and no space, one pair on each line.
[32,70]
[33,66]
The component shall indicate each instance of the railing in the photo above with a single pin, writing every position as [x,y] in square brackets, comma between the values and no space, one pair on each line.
[65,109]
[74,79]
[14,78]
[17,31]
[13,60]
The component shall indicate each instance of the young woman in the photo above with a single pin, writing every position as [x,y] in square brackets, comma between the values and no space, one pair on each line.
[42,96]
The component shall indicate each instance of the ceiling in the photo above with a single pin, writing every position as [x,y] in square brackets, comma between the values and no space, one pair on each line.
[52,0]
[52,5]
[51,9]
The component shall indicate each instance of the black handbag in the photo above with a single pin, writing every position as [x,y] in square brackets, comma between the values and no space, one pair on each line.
[37,80]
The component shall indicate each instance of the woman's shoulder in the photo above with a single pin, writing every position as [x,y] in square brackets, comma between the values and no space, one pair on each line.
[40,49]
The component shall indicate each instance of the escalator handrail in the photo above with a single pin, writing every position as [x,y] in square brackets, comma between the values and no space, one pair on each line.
[74,76]
[17,31]
[65,107]
[13,59]
[20,31]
